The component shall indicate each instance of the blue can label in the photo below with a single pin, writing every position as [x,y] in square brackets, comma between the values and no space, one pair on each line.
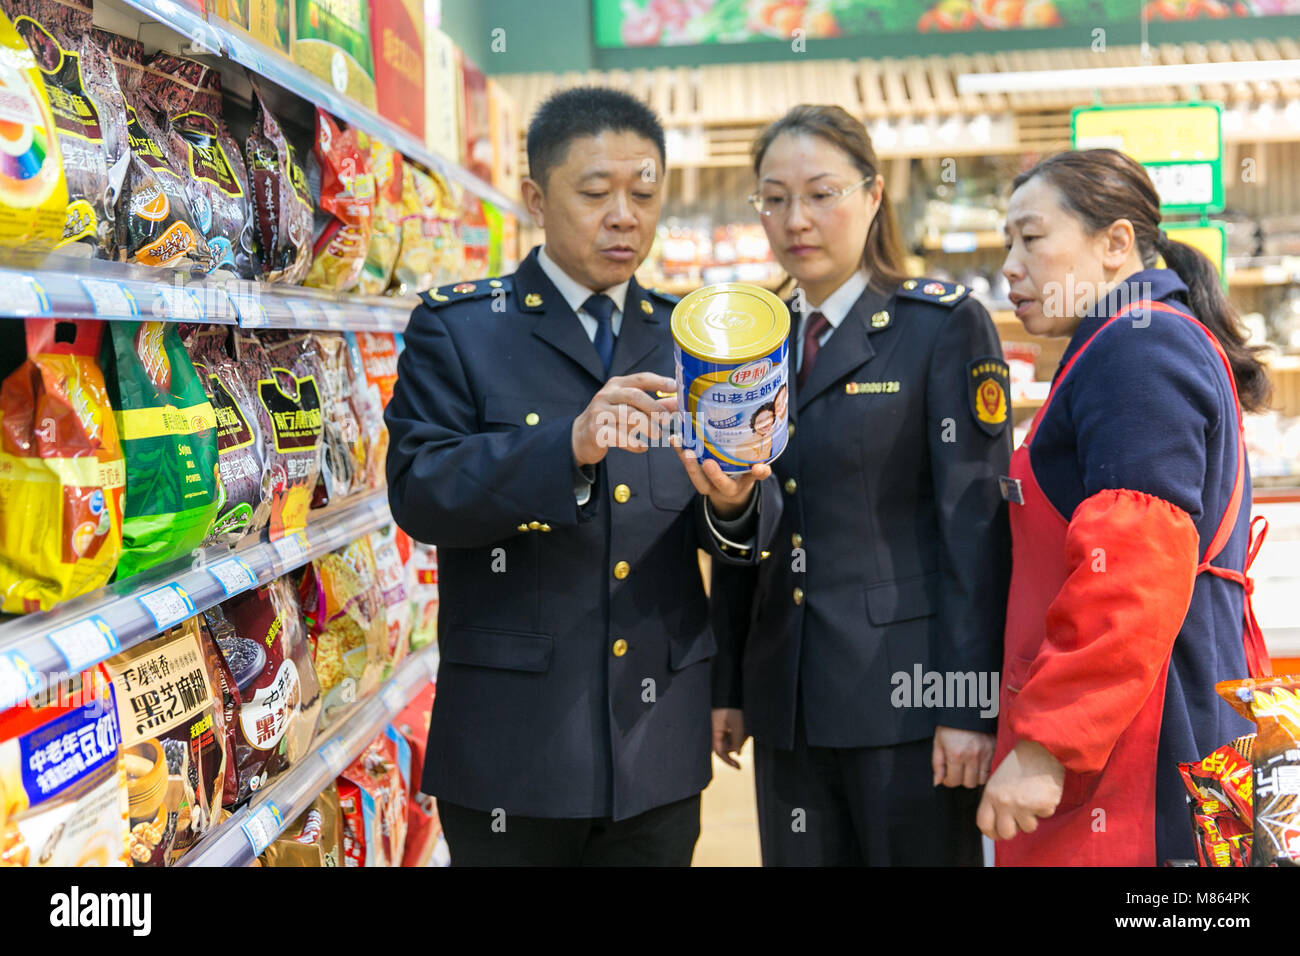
[735,414]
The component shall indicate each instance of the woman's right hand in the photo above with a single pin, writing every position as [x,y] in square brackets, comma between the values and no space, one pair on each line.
[728,734]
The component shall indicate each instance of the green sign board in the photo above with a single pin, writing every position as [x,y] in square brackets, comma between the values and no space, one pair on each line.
[1180,144]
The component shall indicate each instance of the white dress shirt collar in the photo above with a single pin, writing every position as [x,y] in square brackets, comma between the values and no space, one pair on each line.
[574,292]
[840,302]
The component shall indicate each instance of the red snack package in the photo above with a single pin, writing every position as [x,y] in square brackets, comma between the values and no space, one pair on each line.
[422,826]
[373,797]
[339,174]
[1274,704]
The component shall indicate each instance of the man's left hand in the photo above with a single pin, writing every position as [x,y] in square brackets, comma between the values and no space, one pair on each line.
[961,758]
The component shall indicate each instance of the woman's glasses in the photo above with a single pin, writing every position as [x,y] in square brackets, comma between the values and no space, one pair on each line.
[776,202]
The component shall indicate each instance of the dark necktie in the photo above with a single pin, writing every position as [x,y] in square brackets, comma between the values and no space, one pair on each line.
[817,324]
[601,308]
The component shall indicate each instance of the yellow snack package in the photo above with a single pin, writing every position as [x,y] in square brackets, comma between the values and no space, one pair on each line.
[33,191]
[61,470]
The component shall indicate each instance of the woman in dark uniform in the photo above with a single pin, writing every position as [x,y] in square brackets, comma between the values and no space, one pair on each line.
[1133,479]
[862,654]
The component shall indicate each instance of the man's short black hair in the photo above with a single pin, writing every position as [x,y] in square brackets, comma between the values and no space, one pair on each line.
[585,111]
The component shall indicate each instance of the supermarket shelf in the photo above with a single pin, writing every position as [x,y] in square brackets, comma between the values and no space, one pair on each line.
[240,839]
[95,626]
[235,44]
[681,287]
[1263,276]
[68,287]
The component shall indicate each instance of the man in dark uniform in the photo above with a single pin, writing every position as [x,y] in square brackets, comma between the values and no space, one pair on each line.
[572,719]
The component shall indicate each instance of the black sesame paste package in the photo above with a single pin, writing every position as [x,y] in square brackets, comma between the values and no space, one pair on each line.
[282,205]
[275,700]
[244,503]
[156,222]
[189,95]
[169,708]
[168,432]
[88,113]
[289,380]
[339,173]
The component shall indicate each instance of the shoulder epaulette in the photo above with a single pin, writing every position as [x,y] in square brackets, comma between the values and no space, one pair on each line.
[947,294]
[663,296]
[464,291]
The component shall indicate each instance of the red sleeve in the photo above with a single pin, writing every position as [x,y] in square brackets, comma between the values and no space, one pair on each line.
[1132,566]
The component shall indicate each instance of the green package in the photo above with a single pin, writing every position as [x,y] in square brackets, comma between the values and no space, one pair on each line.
[168,430]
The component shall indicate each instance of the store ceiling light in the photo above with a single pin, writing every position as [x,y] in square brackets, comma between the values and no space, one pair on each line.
[1107,77]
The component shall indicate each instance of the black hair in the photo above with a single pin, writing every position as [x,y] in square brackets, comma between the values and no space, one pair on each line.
[1102,186]
[765,407]
[586,111]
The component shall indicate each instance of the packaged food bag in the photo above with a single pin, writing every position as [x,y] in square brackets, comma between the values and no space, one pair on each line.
[88,113]
[274,704]
[392,585]
[449,245]
[475,237]
[422,579]
[416,267]
[312,839]
[347,625]
[378,352]
[33,191]
[1219,797]
[347,440]
[245,495]
[422,826]
[290,386]
[156,222]
[62,470]
[282,204]
[169,437]
[63,791]
[369,408]
[1273,703]
[173,741]
[385,236]
[338,172]
[189,95]
[373,794]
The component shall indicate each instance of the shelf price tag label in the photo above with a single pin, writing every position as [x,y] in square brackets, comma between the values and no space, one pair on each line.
[25,297]
[234,575]
[335,757]
[167,605]
[959,242]
[263,826]
[176,304]
[304,313]
[291,549]
[86,642]
[111,300]
[252,314]
[393,698]
[335,315]
[18,680]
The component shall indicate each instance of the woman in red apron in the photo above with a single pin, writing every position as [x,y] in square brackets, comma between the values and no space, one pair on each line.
[1130,520]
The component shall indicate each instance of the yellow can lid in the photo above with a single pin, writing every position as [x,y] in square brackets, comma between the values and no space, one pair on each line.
[730,322]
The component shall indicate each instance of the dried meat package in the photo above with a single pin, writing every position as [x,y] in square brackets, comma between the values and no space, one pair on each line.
[88,112]
[369,407]
[338,171]
[385,236]
[373,795]
[168,430]
[347,625]
[63,790]
[33,192]
[347,441]
[169,708]
[289,381]
[282,204]
[274,705]
[1273,703]
[246,491]
[61,470]
[156,222]
[188,93]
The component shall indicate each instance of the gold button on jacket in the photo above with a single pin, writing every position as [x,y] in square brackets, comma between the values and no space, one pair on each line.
[798,595]
[790,486]
[532,418]
[622,493]
[622,570]
[620,647]
[796,539]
